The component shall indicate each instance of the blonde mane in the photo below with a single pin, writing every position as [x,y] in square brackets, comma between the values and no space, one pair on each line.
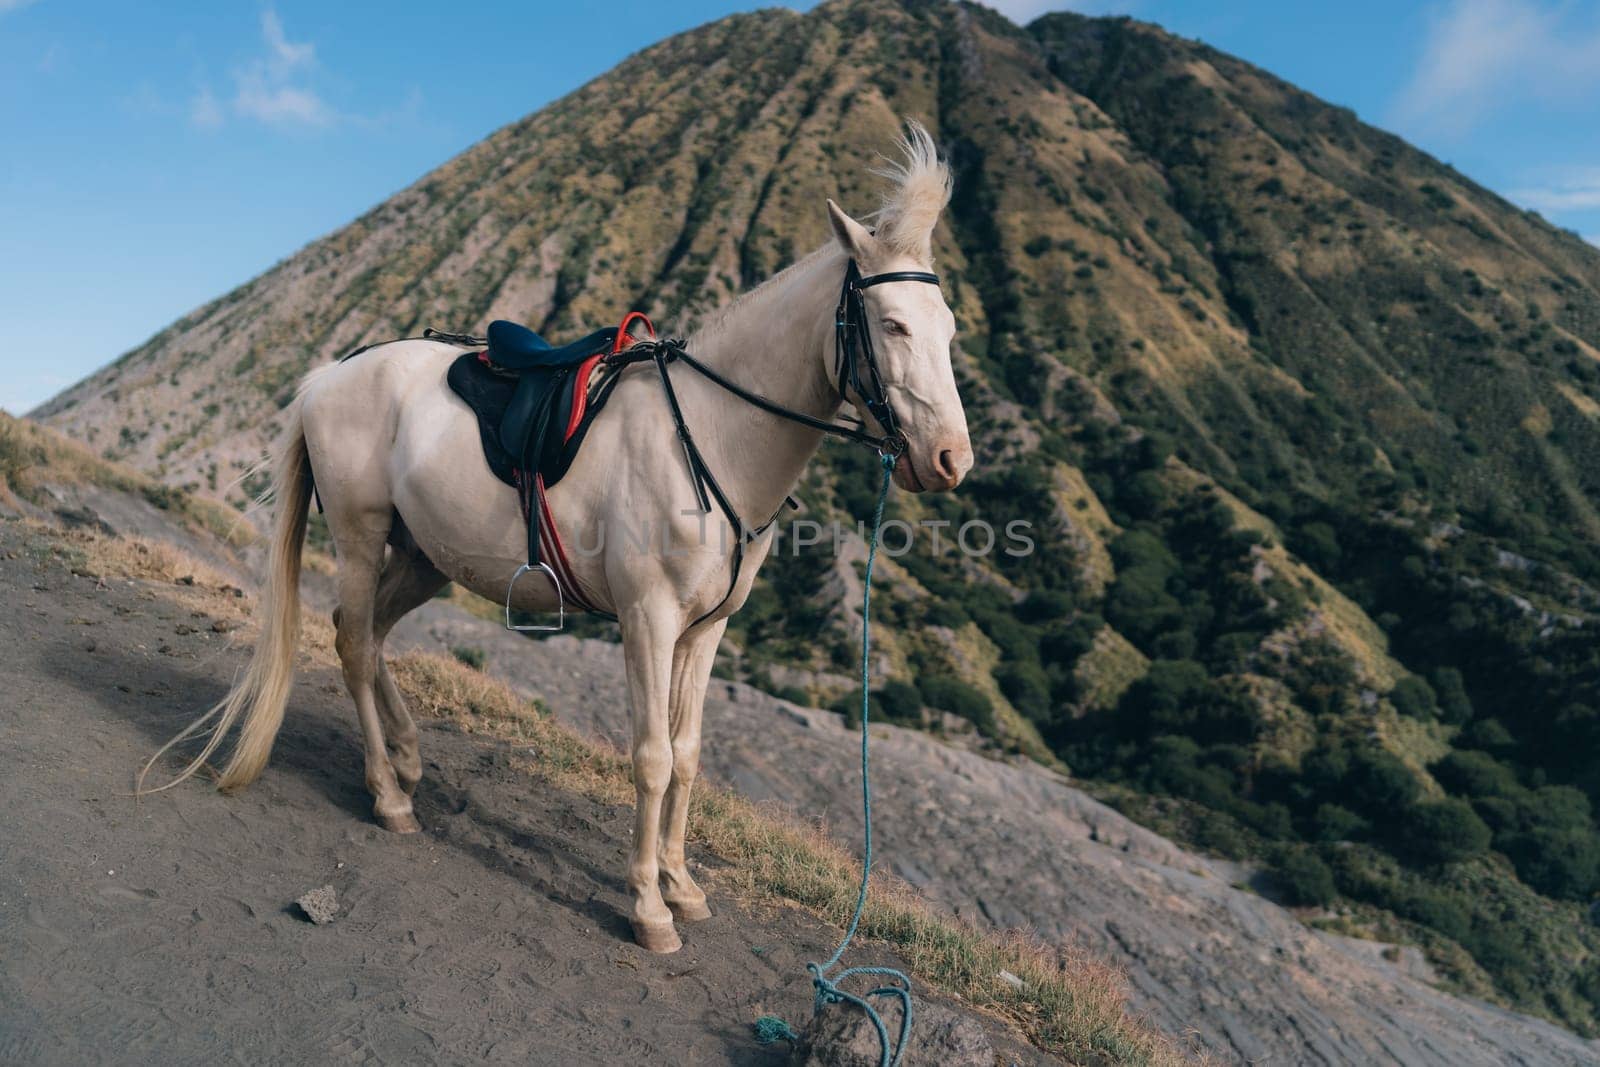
[919,190]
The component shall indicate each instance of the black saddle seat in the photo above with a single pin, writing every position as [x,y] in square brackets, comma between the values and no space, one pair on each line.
[515,347]
[531,399]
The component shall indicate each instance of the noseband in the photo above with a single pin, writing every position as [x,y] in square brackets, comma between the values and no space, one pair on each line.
[853,352]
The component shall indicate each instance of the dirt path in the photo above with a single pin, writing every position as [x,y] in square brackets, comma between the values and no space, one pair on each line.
[162,931]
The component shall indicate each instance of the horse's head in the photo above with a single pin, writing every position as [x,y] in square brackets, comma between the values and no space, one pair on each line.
[907,325]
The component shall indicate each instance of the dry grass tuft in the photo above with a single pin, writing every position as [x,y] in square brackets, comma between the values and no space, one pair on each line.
[32,456]
[99,555]
[1070,1004]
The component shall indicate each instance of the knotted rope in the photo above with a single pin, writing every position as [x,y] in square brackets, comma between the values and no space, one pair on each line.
[770,1028]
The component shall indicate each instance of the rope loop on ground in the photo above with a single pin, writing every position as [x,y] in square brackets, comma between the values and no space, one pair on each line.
[828,987]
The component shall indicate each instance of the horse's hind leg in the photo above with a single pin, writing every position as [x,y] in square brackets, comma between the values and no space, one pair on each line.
[408,581]
[360,541]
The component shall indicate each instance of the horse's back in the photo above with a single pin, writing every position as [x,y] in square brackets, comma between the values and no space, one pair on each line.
[353,411]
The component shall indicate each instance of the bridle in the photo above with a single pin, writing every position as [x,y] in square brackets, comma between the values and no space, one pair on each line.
[853,351]
[856,371]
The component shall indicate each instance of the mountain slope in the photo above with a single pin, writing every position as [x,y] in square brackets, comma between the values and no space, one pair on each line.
[1304,422]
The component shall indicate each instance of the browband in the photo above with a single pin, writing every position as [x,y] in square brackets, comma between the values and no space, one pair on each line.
[898,276]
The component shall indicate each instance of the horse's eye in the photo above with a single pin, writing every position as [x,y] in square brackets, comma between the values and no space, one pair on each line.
[896,327]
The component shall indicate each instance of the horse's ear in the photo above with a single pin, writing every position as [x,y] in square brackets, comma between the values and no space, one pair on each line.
[856,240]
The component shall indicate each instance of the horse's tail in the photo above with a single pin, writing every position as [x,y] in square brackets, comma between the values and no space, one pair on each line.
[262,694]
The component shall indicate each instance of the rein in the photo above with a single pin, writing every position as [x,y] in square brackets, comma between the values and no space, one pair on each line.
[855,371]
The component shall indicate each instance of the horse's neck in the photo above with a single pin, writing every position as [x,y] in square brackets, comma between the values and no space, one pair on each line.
[773,341]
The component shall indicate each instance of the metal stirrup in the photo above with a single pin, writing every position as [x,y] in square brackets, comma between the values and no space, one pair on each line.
[561,604]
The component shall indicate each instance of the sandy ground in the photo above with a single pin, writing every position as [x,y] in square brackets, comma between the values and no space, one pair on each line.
[163,931]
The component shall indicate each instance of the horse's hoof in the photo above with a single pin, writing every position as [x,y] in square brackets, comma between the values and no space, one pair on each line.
[400,824]
[656,937]
[689,911]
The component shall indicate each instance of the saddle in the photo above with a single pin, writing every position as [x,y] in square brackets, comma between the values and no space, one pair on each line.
[533,399]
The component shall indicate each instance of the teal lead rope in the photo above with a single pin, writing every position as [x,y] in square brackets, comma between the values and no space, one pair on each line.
[770,1028]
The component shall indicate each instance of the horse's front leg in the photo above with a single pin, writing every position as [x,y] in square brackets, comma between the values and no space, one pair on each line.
[691,671]
[648,639]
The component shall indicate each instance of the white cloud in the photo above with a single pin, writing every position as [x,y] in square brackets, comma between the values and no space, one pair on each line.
[282,105]
[1484,54]
[7,6]
[273,88]
[205,111]
[1577,190]
[285,54]
[1023,12]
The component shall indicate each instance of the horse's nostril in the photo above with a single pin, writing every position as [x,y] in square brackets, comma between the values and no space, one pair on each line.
[947,463]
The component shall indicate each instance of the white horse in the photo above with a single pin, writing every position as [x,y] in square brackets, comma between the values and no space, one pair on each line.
[411,506]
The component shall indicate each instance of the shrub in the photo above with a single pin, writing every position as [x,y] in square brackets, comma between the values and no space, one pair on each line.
[1318,545]
[1454,705]
[793,694]
[1177,697]
[1302,879]
[901,701]
[1443,831]
[1434,909]
[1500,950]
[1175,645]
[1137,548]
[1268,820]
[1475,774]
[1139,605]
[1153,450]
[1015,639]
[1437,198]
[1559,807]
[1043,605]
[471,655]
[849,706]
[1164,700]
[15,454]
[1174,768]
[1488,735]
[165,497]
[1414,698]
[1379,784]
[1062,643]
[959,698]
[1027,687]
[1219,833]
[1232,652]
[1559,862]
[1335,823]
[1144,495]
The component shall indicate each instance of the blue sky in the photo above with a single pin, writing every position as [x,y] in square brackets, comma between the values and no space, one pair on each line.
[156,155]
